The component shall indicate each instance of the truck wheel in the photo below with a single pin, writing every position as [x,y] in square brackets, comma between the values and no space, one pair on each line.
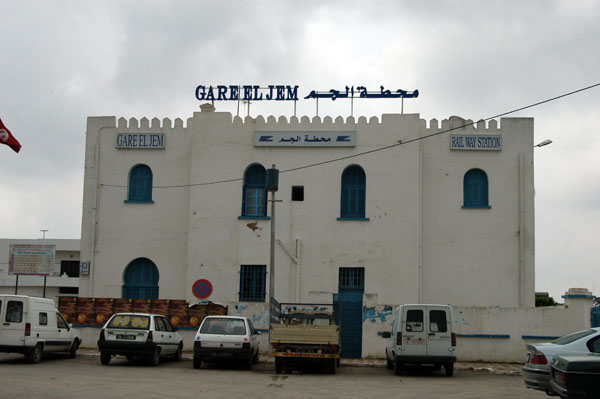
[398,368]
[36,355]
[331,366]
[73,349]
[197,362]
[104,358]
[449,368]
[278,364]
[389,364]
[155,358]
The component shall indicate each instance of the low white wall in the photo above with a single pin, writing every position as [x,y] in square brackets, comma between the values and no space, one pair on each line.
[488,334]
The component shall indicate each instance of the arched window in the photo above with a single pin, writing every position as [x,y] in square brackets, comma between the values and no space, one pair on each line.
[353,193]
[254,203]
[140,184]
[140,280]
[475,187]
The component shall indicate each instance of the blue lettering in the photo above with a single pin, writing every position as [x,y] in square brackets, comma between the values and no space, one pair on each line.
[256,94]
[200,92]
[280,93]
[129,141]
[120,140]
[292,94]
[234,93]
[222,92]
[210,96]
[143,140]
[247,93]
[270,95]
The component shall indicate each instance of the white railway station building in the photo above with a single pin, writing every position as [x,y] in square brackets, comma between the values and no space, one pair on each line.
[377,212]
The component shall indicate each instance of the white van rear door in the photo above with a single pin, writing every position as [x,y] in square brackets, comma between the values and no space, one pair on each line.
[439,331]
[13,322]
[414,334]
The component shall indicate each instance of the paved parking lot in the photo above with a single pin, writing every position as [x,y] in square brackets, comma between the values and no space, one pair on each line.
[59,377]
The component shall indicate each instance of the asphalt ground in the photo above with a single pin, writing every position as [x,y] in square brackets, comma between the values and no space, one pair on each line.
[484,367]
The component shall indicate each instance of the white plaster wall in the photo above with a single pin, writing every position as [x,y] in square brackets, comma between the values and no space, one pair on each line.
[471,256]
[468,257]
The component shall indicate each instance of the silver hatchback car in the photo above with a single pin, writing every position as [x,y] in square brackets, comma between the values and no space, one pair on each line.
[226,338]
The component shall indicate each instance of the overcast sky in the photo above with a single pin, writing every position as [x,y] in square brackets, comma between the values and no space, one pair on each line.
[62,61]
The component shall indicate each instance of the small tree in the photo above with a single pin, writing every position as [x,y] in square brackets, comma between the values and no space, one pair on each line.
[545,301]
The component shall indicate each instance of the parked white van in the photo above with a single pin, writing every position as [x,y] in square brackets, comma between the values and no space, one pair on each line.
[422,334]
[33,326]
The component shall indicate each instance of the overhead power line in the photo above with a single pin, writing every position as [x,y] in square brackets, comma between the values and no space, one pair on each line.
[385,147]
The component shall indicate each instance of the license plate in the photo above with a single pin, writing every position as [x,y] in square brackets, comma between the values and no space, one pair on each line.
[414,342]
[122,336]
[221,354]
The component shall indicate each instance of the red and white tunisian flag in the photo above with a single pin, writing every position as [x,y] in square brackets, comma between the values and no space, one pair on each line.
[7,138]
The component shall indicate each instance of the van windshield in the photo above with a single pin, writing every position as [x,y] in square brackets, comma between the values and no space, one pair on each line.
[223,326]
[135,322]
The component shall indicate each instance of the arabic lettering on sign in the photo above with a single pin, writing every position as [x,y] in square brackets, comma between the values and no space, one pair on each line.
[470,142]
[290,93]
[363,93]
[305,139]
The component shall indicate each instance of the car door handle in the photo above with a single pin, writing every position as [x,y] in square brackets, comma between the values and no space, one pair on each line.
[430,334]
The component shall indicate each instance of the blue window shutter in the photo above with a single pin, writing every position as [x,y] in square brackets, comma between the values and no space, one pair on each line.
[353,193]
[254,201]
[141,280]
[475,188]
[140,184]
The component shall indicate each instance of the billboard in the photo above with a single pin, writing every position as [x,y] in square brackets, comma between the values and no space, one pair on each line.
[32,259]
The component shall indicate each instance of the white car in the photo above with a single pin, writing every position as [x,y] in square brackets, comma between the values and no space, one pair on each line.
[139,334]
[226,338]
[536,372]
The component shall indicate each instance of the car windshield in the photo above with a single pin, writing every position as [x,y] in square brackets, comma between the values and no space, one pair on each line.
[135,322]
[223,326]
[567,339]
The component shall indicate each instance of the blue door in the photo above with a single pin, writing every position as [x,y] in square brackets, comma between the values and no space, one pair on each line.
[141,280]
[350,298]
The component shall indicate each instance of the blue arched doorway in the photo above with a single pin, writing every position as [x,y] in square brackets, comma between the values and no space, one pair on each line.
[140,280]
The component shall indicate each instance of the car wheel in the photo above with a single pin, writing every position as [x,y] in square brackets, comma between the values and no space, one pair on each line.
[398,368]
[155,358]
[104,358]
[389,364]
[278,364]
[73,349]
[36,355]
[247,364]
[177,354]
[197,362]
[255,357]
[449,368]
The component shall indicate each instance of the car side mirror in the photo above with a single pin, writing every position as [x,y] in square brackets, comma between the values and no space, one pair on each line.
[386,334]
[257,332]
[70,325]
